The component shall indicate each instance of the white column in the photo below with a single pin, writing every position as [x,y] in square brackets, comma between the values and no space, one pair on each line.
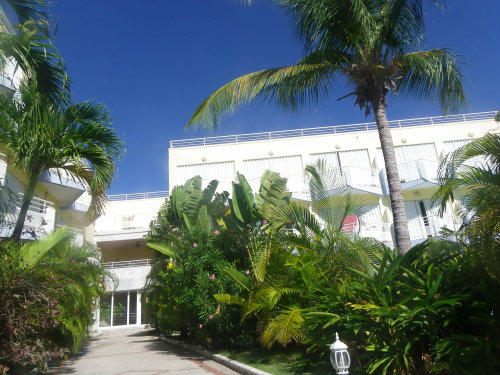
[112,305]
[138,309]
[97,314]
[128,307]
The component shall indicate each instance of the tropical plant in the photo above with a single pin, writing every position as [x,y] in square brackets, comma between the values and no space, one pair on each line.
[372,44]
[48,290]
[418,313]
[30,49]
[76,140]
[297,253]
[9,201]
[472,174]
[193,249]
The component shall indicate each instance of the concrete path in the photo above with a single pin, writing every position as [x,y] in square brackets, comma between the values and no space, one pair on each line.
[136,352]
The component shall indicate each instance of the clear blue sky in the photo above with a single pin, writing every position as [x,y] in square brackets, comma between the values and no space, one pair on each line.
[152,61]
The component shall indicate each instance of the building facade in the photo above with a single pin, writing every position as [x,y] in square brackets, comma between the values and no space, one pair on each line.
[60,199]
[353,154]
[120,233]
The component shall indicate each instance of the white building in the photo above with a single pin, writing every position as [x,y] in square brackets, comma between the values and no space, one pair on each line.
[354,153]
[120,235]
[59,198]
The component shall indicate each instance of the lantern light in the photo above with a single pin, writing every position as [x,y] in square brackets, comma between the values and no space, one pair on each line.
[339,356]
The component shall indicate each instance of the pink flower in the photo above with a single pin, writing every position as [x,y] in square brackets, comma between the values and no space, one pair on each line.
[247,272]
[195,244]
[216,232]
[264,222]
[212,276]
[201,326]
[211,317]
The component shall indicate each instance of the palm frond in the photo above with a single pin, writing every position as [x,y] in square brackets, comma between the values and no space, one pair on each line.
[29,9]
[434,75]
[283,328]
[336,25]
[289,87]
[38,59]
[34,251]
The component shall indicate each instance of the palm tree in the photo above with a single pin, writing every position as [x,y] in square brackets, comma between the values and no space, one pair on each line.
[371,43]
[29,46]
[77,139]
[475,169]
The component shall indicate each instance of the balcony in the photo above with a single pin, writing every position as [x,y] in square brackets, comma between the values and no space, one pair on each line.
[424,227]
[354,180]
[380,231]
[122,227]
[40,220]
[78,209]
[62,185]
[414,174]
[130,274]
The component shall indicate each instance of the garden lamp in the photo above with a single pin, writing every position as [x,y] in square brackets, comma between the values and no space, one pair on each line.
[339,356]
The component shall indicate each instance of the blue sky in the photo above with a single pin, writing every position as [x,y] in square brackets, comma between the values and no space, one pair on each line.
[153,61]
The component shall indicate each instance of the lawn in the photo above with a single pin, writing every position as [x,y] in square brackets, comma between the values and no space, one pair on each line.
[282,361]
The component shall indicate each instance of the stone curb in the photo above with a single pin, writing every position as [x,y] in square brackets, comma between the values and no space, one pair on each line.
[233,365]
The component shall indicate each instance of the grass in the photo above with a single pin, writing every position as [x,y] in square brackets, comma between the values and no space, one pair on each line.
[281,361]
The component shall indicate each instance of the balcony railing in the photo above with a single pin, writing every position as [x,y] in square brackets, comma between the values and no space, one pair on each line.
[135,196]
[418,169]
[129,264]
[335,129]
[40,217]
[430,226]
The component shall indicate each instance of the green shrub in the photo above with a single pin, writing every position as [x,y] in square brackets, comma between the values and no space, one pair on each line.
[429,311]
[48,290]
[181,291]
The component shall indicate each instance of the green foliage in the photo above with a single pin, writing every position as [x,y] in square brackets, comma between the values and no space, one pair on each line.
[181,289]
[74,138]
[48,291]
[419,313]
[474,169]
[294,276]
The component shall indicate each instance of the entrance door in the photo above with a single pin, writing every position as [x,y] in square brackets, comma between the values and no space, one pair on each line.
[119,309]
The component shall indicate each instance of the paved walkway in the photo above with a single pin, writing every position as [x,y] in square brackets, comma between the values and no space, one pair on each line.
[136,352]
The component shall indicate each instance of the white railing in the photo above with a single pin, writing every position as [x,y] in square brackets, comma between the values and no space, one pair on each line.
[40,217]
[136,196]
[38,205]
[417,169]
[429,226]
[350,176]
[129,263]
[335,129]
[119,223]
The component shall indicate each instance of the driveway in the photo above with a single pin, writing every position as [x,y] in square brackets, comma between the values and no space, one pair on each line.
[136,352]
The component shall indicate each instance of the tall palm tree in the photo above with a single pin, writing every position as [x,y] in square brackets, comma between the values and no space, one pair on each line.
[30,47]
[372,44]
[77,139]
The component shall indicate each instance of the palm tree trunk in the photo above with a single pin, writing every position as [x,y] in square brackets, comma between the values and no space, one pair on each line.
[29,192]
[391,169]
